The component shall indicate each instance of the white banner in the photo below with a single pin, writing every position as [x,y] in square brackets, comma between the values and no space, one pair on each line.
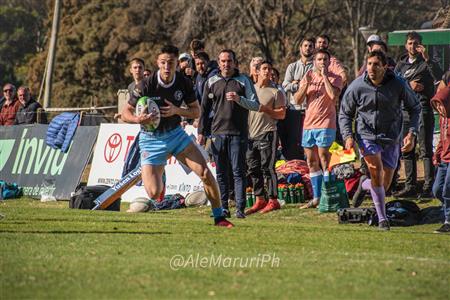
[113,143]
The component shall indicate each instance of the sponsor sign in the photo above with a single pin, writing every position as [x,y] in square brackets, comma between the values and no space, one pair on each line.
[113,143]
[26,159]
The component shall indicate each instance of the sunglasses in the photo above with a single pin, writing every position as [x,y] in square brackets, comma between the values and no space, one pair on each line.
[8,90]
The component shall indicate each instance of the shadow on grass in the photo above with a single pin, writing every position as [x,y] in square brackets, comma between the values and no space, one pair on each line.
[84,232]
[72,220]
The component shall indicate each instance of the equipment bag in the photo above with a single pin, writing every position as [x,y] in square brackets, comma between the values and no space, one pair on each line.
[9,190]
[175,201]
[355,215]
[84,197]
[402,213]
[334,196]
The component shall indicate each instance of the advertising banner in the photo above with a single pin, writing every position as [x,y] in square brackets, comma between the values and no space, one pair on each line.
[39,169]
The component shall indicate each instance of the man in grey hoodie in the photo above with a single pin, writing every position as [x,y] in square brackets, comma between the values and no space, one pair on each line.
[375,100]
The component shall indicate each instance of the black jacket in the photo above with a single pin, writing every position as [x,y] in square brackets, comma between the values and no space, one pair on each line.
[421,71]
[229,117]
[201,79]
[27,114]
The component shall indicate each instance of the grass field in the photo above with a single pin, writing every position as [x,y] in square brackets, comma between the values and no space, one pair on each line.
[51,252]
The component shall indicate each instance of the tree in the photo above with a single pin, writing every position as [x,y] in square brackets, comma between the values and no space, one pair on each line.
[97,38]
[18,38]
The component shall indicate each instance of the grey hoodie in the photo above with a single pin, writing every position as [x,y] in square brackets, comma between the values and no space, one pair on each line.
[378,110]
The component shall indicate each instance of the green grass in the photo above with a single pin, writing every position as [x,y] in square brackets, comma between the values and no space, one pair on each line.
[48,251]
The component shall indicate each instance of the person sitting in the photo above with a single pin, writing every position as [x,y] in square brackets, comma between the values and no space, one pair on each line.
[9,105]
[29,110]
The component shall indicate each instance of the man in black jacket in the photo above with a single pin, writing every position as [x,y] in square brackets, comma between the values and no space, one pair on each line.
[29,110]
[418,70]
[230,95]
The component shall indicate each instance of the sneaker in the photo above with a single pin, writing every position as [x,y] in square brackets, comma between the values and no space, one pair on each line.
[259,204]
[222,222]
[311,204]
[240,214]
[271,206]
[226,213]
[360,193]
[384,225]
[407,192]
[443,229]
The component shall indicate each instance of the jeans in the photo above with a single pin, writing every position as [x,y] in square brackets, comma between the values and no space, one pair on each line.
[425,141]
[441,187]
[261,164]
[229,150]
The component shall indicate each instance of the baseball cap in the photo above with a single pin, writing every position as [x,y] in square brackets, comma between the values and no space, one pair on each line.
[375,39]
[184,56]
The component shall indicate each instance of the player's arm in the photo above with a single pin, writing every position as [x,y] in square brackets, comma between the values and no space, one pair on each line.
[347,114]
[411,104]
[129,116]
[289,83]
[331,90]
[250,100]
[300,95]
[192,111]
[278,112]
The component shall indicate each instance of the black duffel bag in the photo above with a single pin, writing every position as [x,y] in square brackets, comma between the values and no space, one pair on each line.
[85,196]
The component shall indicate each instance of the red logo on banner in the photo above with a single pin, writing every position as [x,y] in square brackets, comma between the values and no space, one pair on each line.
[113,147]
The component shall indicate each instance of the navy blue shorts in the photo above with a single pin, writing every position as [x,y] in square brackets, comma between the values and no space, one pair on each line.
[389,153]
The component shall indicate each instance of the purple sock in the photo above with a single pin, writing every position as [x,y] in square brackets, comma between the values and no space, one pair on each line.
[378,195]
[367,185]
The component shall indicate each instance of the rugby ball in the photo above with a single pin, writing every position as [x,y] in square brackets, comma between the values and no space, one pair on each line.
[148,106]
[141,204]
[197,198]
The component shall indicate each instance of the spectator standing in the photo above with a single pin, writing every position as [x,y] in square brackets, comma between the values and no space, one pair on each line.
[291,128]
[230,95]
[253,72]
[185,65]
[205,70]
[323,42]
[376,43]
[137,66]
[262,146]
[319,89]
[417,69]
[147,73]
[441,187]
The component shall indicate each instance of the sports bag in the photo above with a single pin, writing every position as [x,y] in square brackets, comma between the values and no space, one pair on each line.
[402,213]
[9,190]
[84,197]
[333,196]
[355,215]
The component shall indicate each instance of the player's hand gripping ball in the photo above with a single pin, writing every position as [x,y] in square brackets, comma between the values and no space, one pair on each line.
[148,106]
